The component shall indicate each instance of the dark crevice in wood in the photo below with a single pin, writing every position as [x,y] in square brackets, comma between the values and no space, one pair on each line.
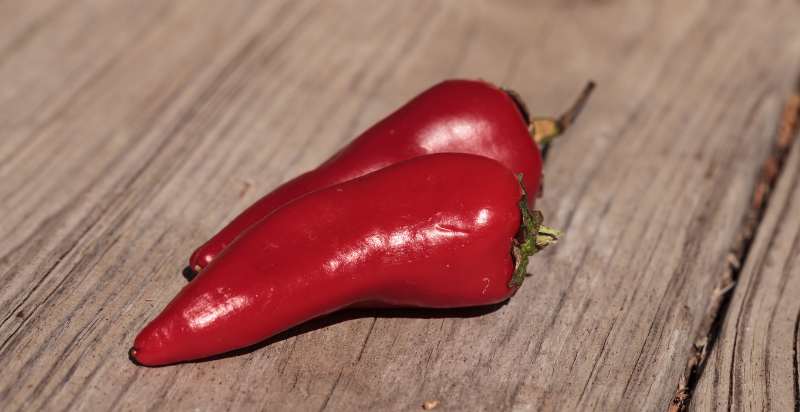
[753,284]
[16,312]
[366,340]
[288,357]
[427,368]
[796,364]
[638,358]
[711,324]
[731,366]
[333,388]
[596,361]
[786,214]
[39,283]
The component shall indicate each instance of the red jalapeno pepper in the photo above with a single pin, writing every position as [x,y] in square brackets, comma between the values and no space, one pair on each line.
[461,116]
[438,231]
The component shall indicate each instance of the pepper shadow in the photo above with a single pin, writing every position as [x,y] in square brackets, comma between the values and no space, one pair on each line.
[350,314]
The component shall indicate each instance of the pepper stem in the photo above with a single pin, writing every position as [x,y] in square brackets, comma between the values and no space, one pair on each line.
[545,129]
[532,237]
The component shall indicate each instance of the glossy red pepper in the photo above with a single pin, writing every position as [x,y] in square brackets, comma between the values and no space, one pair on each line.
[460,116]
[438,231]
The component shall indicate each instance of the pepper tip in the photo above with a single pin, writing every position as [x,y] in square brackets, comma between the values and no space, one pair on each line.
[132,356]
[189,272]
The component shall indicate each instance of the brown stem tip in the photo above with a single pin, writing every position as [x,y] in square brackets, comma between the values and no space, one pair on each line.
[545,129]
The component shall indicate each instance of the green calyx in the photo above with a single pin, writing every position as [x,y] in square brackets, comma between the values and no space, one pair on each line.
[532,237]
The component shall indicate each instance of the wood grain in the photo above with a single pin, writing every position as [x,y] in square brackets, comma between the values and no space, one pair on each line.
[754,365]
[131,131]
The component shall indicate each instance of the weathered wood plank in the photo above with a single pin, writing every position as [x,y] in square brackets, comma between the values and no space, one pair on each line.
[755,361]
[21,21]
[112,175]
[78,165]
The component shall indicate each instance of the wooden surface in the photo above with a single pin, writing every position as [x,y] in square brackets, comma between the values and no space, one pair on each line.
[755,364]
[130,131]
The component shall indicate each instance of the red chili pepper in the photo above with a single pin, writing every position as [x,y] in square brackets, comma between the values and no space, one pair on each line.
[438,231]
[460,116]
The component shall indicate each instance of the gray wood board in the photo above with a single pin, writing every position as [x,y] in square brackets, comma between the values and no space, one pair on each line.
[132,131]
[755,361]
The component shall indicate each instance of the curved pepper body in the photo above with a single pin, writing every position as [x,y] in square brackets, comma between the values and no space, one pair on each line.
[434,231]
[458,116]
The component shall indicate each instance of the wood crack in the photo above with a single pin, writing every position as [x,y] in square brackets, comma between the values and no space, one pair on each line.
[597,361]
[39,283]
[366,340]
[333,389]
[711,324]
[796,364]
